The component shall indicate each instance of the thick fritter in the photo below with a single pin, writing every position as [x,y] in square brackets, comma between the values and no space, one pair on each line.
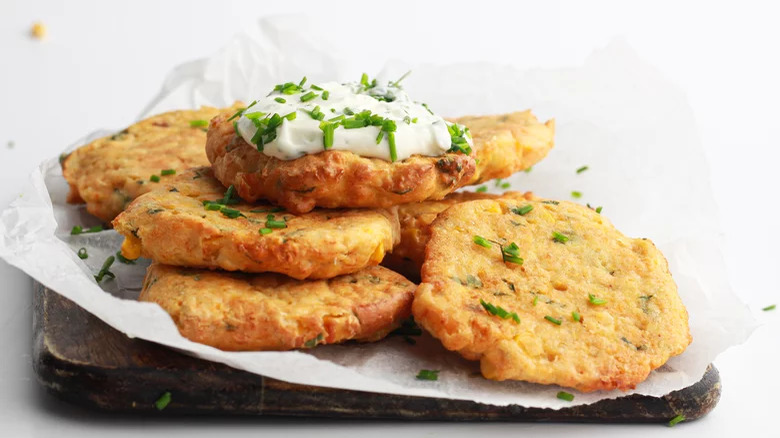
[408,255]
[233,311]
[331,179]
[173,226]
[507,143]
[588,307]
[112,171]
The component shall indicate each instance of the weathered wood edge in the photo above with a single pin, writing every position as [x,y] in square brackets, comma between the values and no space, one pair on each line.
[68,341]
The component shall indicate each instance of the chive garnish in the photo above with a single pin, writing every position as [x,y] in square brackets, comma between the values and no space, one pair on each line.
[364,80]
[303,81]
[397,83]
[428,375]
[595,300]
[265,231]
[511,254]
[280,99]
[235,128]
[82,253]
[123,259]
[499,311]
[241,111]
[325,95]
[327,134]
[458,136]
[481,189]
[414,120]
[229,212]
[529,169]
[162,402]
[676,420]
[78,229]
[524,210]
[481,241]
[154,178]
[506,185]
[273,223]
[770,307]
[104,272]
[348,111]
[291,116]
[575,316]
[576,195]
[316,87]
[308,96]
[380,136]
[582,169]
[199,123]
[212,206]
[563,395]
[393,151]
[425,105]
[553,320]
[560,238]
[166,172]
[536,300]
[598,209]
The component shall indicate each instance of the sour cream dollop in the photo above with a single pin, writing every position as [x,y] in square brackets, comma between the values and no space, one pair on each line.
[315,109]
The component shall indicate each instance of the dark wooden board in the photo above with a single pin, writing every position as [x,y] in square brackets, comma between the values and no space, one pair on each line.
[80,359]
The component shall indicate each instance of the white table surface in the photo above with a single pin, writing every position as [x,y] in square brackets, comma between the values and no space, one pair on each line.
[102,61]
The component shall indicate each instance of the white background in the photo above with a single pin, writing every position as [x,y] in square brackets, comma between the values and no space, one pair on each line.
[103,61]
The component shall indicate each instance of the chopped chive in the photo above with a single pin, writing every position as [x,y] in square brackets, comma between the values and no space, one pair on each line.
[575,316]
[505,185]
[425,105]
[553,320]
[104,272]
[397,83]
[280,99]
[563,395]
[676,420]
[227,198]
[236,114]
[325,95]
[308,96]
[255,115]
[199,123]
[82,253]
[364,80]
[529,169]
[598,209]
[560,238]
[235,128]
[313,342]
[337,118]
[498,182]
[303,81]
[768,308]
[265,231]
[536,300]
[524,210]
[273,210]
[353,123]
[348,111]
[576,195]
[414,120]
[481,241]
[327,131]
[582,169]
[123,259]
[393,151]
[162,402]
[316,87]
[166,172]
[230,212]
[595,300]
[481,189]
[271,223]
[291,116]
[428,375]
[511,254]
[154,178]
[212,206]
[499,311]
[380,136]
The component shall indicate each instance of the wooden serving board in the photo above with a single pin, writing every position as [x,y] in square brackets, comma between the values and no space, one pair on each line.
[80,359]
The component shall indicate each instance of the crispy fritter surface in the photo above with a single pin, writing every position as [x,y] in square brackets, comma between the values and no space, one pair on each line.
[507,143]
[171,225]
[614,345]
[330,179]
[112,171]
[232,311]
[408,255]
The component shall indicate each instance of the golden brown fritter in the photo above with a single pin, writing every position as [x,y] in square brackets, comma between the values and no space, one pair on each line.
[408,255]
[330,179]
[173,226]
[507,143]
[232,311]
[112,171]
[588,308]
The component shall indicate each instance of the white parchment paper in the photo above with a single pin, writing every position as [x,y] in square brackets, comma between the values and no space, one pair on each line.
[615,114]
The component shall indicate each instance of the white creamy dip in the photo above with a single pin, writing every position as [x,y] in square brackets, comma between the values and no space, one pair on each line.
[317,109]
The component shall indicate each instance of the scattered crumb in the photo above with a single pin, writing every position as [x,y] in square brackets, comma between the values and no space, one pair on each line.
[38,30]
